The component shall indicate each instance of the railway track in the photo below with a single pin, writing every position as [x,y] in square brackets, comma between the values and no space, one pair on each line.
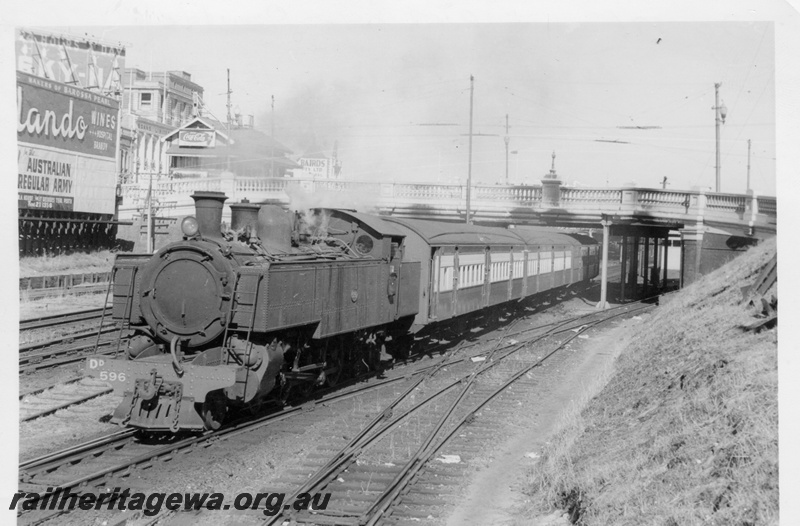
[56,320]
[91,464]
[48,400]
[363,458]
[67,350]
[35,294]
[63,339]
[94,463]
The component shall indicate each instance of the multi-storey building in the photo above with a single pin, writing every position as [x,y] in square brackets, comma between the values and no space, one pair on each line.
[154,104]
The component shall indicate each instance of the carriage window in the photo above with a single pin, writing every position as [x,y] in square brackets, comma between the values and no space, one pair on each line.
[545,262]
[533,264]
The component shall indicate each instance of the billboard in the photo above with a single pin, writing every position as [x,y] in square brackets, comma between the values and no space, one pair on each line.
[316,167]
[70,60]
[66,147]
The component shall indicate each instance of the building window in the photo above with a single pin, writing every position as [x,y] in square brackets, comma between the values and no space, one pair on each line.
[146,100]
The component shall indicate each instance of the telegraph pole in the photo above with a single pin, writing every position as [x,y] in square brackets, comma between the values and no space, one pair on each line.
[228,105]
[150,244]
[228,146]
[506,140]
[469,165]
[272,132]
[748,166]
[719,113]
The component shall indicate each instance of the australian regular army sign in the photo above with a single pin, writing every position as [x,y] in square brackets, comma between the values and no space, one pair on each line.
[66,147]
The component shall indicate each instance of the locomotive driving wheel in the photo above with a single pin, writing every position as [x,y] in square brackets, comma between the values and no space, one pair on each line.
[215,408]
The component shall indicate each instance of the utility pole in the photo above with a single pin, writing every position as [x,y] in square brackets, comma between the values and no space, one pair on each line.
[719,118]
[469,165]
[164,104]
[228,146]
[748,166]
[228,105]
[150,239]
[506,139]
[272,136]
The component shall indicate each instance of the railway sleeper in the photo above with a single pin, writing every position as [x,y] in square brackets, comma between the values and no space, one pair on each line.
[363,485]
[418,512]
[427,488]
[422,500]
[322,520]
[377,468]
[366,476]
[341,494]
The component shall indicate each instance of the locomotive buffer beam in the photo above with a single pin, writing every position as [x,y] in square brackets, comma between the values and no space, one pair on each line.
[166,400]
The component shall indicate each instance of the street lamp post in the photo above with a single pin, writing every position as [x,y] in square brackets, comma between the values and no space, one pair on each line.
[720,112]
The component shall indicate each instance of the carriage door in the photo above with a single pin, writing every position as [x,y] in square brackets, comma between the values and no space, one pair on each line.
[433,284]
[487,276]
[443,282]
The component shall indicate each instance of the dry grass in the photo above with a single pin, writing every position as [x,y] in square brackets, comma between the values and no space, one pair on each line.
[686,431]
[74,263]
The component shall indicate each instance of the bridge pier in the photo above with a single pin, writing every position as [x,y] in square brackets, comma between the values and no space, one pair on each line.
[603,304]
[646,267]
[633,275]
[622,269]
[664,267]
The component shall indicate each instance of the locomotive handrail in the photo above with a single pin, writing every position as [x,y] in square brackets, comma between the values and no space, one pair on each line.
[172,350]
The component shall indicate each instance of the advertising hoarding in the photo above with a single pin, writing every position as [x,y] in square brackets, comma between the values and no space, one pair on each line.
[316,167]
[66,147]
[69,60]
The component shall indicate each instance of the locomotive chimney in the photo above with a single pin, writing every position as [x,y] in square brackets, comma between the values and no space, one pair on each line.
[208,210]
[275,229]
[245,214]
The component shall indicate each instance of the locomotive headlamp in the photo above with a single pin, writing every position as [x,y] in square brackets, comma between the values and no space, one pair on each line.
[189,226]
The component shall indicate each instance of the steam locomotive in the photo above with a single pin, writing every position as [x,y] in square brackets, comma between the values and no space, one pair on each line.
[279,304]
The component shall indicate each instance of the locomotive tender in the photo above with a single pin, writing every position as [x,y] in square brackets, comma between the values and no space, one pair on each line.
[226,320]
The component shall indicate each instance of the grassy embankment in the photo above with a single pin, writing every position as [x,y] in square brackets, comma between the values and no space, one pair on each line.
[686,431]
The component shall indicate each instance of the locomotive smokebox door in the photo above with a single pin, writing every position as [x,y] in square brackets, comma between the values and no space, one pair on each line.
[186,291]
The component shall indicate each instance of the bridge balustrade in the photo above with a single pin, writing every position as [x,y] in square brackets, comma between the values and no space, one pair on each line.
[514,194]
[767,206]
[591,198]
[727,202]
[651,199]
[489,202]
[425,191]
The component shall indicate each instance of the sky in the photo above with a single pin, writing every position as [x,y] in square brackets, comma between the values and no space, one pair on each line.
[390,83]
[395,98]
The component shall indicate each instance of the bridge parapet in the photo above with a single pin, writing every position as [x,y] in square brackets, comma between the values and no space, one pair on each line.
[491,203]
[591,198]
